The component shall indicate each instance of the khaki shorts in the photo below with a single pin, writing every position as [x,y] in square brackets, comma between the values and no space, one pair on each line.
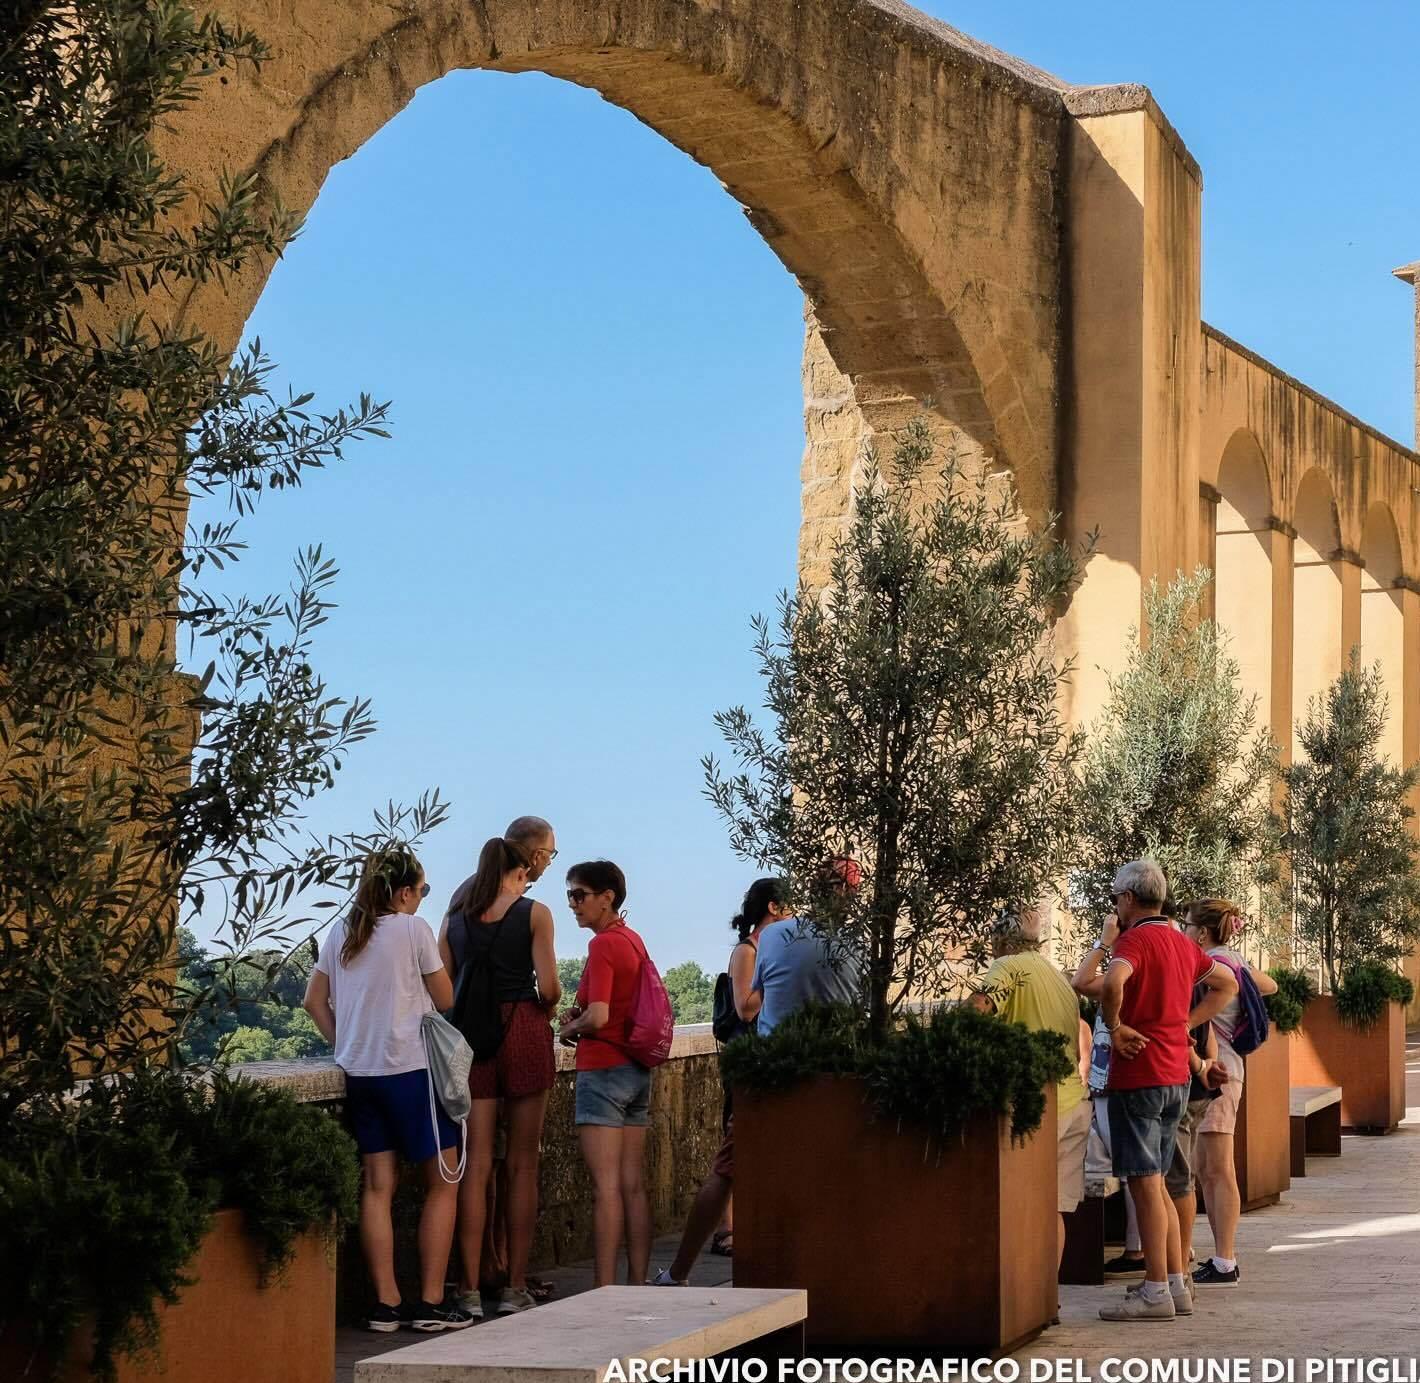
[1222,1115]
[1180,1176]
[1070,1143]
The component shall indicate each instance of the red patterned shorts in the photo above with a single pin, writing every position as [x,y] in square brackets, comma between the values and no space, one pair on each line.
[524,1064]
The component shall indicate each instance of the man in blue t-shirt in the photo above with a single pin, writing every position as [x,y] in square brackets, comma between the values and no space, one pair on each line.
[793,967]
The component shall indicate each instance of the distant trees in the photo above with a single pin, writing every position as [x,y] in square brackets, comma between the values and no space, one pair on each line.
[692,992]
[249,1009]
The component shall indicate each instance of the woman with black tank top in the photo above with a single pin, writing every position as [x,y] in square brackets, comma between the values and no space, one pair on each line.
[490,923]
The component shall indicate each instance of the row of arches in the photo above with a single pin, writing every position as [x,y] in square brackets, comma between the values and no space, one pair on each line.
[1294,600]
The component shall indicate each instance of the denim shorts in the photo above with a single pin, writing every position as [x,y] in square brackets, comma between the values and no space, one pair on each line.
[614,1096]
[1143,1126]
[391,1114]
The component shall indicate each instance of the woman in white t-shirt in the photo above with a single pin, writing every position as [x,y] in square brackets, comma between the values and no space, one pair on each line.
[378,974]
[1214,924]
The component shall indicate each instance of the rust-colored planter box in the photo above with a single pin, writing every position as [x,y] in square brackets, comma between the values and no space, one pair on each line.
[226,1325]
[901,1246]
[1262,1142]
[1368,1064]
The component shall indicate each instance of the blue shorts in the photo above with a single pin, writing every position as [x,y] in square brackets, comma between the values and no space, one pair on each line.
[391,1114]
[614,1096]
[1143,1126]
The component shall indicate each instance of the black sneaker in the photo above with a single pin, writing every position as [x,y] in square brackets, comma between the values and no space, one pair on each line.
[1211,1275]
[426,1316]
[384,1318]
[1124,1266]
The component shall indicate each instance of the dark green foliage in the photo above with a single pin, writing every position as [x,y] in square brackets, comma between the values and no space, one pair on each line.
[934,1075]
[250,1007]
[818,1040]
[132,795]
[1355,889]
[105,1199]
[691,991]
[1365,991]
[1295,991]
[101,1208]
[915,726]
[1175,768]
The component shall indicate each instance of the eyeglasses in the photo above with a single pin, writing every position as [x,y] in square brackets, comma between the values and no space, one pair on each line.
[576,896]
[551,854]
[423,890]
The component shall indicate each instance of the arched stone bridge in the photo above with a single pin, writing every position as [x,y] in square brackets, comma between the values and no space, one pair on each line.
[966,229]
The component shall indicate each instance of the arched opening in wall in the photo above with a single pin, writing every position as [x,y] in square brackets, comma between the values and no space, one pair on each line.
[1316,593]
[547,576]
[1383,622]
[1243,566]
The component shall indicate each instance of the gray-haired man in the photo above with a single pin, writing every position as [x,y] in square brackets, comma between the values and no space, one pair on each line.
[1146,1002]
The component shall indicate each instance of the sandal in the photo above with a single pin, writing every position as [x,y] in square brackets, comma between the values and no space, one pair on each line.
[540,1289]
[723,1243]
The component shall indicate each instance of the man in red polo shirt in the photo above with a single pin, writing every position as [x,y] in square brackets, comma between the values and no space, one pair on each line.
[1147,1007]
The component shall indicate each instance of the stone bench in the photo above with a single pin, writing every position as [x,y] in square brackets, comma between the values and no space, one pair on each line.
[1315,1124]
[578,1339]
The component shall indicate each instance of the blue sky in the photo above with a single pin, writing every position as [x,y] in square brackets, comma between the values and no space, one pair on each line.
[547,574]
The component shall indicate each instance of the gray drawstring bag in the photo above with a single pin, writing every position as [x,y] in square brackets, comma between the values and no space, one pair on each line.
[448,1058]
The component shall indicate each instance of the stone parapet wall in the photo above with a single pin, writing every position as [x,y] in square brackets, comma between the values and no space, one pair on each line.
[686,1102]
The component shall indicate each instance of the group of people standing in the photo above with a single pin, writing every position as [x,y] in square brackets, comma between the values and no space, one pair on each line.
[1159,1080]
[382,968]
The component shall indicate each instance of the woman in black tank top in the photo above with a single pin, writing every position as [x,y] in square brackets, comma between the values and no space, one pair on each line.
[499,944]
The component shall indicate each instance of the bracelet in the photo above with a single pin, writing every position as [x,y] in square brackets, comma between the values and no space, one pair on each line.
[1118,1023]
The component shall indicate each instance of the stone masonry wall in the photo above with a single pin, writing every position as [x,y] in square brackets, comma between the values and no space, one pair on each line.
[686,1099]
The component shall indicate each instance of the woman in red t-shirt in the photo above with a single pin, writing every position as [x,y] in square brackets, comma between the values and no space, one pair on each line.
[613,1104]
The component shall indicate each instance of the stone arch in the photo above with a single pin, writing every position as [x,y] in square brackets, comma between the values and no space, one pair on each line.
[1383,619]
[1317,633]
[902,173]
[1242,563]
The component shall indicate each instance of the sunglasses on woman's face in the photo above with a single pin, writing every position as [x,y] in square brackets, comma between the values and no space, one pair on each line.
[576,896]
[423,890]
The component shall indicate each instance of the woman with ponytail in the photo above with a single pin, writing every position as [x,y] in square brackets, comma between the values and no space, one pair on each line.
[504,942]
[766,901]
[377,975]
[1214,923]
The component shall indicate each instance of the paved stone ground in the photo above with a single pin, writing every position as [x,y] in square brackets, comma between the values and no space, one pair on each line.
[1332,1271]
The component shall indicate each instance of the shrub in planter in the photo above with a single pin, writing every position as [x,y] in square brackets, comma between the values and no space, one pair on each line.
[1364,992]
[1354,882]
[917,735]
[1176,767]
[1295,991]
[104,1199]
[934,1075]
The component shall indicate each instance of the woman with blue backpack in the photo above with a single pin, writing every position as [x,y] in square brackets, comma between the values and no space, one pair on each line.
[1240,1028]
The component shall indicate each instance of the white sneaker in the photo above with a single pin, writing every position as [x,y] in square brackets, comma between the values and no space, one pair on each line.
[1136,1307]
[1182,1301]
[471,1302]
[516,1299]
[664,1279]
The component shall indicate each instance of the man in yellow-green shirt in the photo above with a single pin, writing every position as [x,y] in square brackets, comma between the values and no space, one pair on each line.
[1023,987]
